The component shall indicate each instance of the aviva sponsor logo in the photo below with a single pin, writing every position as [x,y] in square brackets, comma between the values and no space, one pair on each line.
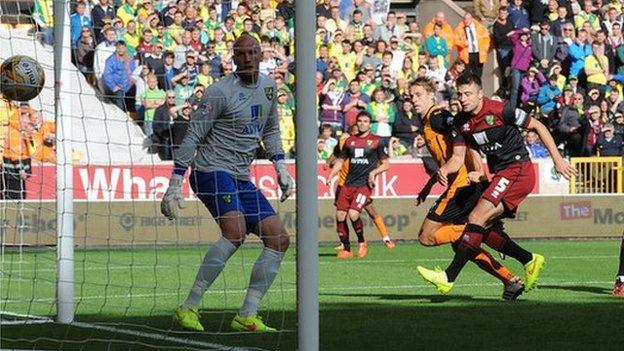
[254,128]
[257,111]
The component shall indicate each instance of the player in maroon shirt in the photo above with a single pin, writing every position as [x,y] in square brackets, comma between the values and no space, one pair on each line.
[367,158]
[493,127]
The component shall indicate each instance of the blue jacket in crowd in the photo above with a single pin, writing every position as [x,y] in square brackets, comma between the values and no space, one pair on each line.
[519,17]
[546,98]
[578,53]
[118,71]
[77,22]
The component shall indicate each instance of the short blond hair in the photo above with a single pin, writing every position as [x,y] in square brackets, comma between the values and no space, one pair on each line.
[426,83]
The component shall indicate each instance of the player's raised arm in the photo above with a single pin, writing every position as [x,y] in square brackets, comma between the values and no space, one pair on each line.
[562,165]
[272,142]
[518,117]
[455,162]
[475,172]
[424,192]
[340,155]
[334,170]
[384,165]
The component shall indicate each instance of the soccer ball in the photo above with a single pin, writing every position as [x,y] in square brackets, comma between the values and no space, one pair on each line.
[21,78]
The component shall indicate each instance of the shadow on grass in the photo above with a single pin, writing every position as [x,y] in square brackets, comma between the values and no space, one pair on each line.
[415,297]
[578,288]
[466,324]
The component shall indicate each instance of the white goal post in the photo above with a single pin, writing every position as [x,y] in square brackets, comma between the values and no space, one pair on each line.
[64,169]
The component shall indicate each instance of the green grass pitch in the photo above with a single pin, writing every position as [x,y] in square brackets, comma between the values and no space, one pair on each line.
[125,299]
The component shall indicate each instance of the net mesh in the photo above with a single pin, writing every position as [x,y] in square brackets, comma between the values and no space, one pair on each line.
[133,267]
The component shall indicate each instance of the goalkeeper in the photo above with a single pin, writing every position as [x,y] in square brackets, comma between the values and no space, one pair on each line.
[233,116]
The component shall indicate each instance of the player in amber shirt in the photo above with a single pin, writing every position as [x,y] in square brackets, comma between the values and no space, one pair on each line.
[493,127]
[447,218]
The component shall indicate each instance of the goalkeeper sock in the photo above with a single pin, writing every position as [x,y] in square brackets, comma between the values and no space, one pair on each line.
[343,234]
[448,234]
[466,249]
[501,242]
[381,227]
[358,228]
[211,267]
[262,276]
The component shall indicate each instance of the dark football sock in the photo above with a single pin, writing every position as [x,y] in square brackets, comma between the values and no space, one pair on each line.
[501,242]
[343,234]
[358,227]
[466,248]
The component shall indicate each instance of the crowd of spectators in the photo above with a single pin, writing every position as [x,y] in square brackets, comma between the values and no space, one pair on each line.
[563,61]
[27,140]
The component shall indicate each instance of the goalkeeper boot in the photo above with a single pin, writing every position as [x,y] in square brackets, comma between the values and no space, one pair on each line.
[533,269]
[513,288]
[618,287]
[188,318]
[250,323]
[437,277]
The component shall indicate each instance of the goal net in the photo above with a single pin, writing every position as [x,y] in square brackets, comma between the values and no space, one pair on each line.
[131,266]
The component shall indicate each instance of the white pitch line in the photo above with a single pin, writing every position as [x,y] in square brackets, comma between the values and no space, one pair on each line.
[24,322]
[367,261]
[21,315]
[322,290]
[157,337]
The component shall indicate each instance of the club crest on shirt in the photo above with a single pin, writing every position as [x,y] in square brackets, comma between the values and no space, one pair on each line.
[489,119]
[269,92]
[369,143]
[227,198]
[466,127]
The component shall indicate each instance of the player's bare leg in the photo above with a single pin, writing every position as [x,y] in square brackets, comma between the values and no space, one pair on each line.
[343,234]
[433,233]
[358,228]
[379,224]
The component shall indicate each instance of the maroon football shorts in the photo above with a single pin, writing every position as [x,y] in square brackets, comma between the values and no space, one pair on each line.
[511,186]
[353,198]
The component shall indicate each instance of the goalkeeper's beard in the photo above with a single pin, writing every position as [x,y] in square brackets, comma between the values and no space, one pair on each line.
[248,76]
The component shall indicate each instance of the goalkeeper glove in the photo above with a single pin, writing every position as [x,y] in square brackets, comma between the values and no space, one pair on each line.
[173,197]
[284,180]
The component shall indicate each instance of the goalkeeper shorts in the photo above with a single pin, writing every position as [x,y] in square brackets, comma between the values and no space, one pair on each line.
[222,193]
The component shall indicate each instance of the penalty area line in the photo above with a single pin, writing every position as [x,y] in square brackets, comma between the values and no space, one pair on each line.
[32,319]
[158,337]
